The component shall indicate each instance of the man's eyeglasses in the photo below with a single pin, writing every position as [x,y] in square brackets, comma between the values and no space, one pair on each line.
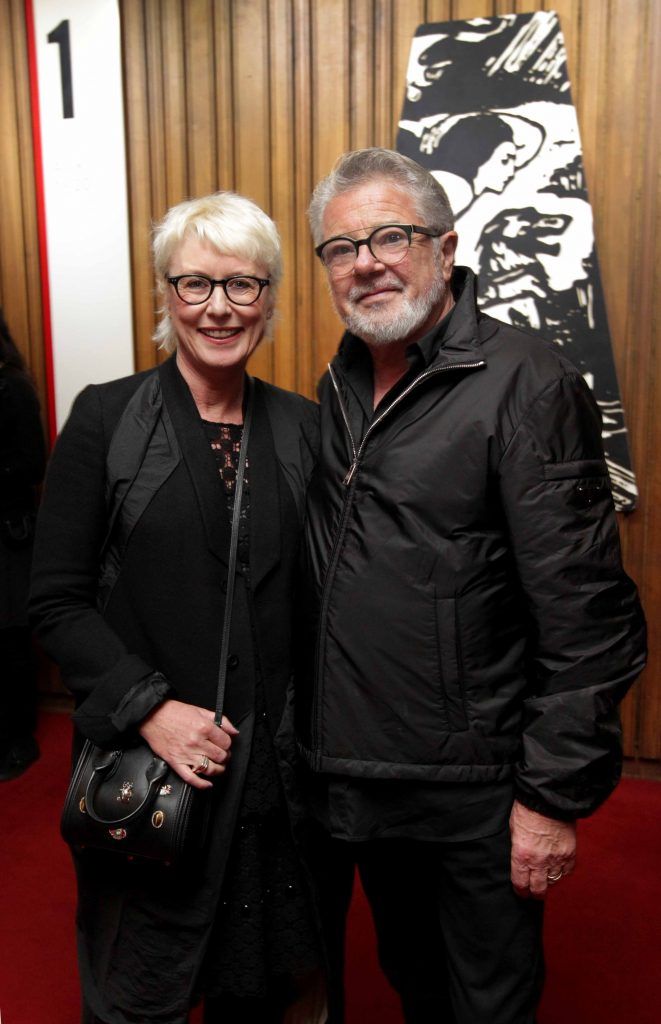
[195,289]
[388,244]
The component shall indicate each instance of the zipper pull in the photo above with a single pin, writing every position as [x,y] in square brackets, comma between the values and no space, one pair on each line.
[348,478]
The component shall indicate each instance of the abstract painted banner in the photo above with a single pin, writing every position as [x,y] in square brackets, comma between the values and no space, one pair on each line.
[488,111]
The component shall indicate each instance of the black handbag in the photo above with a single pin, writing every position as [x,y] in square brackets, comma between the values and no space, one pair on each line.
[129,800]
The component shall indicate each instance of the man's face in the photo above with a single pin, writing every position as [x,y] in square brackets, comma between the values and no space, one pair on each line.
[379,303]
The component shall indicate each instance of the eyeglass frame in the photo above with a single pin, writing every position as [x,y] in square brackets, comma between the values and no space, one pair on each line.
[263,282]
[409,229]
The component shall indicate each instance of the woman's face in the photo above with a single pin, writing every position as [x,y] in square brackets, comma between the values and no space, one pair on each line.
[215,336]
[494,174]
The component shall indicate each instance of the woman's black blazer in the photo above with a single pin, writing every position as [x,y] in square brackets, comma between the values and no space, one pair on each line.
[162,611]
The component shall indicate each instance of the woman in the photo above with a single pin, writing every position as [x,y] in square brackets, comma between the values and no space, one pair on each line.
[138,637]
[22,461]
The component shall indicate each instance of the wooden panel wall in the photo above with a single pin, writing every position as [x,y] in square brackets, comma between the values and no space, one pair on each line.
[262,95]
[20,286]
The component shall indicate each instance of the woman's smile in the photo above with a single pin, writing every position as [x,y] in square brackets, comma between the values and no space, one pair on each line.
[220,333]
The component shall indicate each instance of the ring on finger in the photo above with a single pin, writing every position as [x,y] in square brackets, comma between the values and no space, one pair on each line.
[202,767]
[554,878]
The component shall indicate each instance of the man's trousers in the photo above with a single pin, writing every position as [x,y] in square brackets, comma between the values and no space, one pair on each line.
[454,939]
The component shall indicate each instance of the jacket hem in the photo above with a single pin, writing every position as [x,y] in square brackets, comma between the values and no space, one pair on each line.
[398,770]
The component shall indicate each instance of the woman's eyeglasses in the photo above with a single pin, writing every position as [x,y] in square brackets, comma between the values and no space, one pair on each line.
[195,289]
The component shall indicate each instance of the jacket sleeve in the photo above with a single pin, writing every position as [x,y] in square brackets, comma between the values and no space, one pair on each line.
[114,689]
[586,625]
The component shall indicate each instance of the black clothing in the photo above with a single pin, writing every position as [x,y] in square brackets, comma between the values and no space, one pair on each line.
[22,455]
[367,808]
[473,619]
[147,626]
[263,930]
[470,634]
[22,463]
[454,940]
[230,1010]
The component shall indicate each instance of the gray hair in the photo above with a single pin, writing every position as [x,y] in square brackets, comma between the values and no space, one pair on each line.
[362,165]
[232,224]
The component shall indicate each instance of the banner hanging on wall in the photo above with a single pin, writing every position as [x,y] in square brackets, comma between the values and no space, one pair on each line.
[78,128]
[488,111]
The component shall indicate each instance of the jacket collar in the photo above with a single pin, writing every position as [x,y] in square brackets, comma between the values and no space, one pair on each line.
[458,338]
[468,328]
[197,454]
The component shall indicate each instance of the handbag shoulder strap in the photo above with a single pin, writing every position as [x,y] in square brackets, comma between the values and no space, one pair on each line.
[234,541]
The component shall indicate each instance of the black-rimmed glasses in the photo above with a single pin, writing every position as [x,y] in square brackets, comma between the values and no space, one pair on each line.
[195,289]
[388,244]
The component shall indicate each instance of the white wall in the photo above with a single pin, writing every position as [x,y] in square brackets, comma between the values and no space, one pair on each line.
[84,170]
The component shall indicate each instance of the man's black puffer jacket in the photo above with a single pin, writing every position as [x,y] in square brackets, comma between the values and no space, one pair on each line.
[464,576]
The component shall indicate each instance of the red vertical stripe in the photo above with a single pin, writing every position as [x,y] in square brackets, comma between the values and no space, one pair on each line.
[41,219]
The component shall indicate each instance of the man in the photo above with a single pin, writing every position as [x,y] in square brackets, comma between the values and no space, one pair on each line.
[471,627]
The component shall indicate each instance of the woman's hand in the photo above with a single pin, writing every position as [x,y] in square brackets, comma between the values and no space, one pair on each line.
[185,736]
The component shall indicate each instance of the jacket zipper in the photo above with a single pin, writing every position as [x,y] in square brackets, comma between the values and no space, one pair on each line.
[349,481]
[375,423]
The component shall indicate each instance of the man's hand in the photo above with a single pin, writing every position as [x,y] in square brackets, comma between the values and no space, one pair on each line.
[543,851]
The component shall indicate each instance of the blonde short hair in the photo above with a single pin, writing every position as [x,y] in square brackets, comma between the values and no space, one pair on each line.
[232,224]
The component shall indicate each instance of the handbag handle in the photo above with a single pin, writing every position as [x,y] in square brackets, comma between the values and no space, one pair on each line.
[155,774]
[234,542]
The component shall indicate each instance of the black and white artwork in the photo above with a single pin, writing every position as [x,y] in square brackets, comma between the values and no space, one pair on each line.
[488,110]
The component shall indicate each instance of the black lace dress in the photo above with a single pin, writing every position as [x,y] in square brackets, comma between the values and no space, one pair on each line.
[263,930]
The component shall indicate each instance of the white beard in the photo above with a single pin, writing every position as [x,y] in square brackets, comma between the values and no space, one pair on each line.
[377,325]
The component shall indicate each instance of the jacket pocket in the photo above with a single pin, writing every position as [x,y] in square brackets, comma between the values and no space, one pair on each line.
[449,657]
[586,481]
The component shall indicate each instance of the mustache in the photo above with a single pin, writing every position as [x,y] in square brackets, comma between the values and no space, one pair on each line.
[386,281]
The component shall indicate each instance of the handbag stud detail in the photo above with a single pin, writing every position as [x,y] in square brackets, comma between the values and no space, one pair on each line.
[126,792]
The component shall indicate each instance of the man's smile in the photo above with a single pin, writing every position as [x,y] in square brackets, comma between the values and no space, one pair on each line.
[382,290]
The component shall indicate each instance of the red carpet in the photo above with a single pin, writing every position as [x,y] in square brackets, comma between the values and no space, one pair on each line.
[603,933]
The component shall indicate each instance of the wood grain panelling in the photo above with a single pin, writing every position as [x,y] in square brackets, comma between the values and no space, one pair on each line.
[388,86]
[170,94]
[616,172]
[200,121]
[405,20]
[364,40]
[224,90]
[631,260]
[299,335]
[262,95]
[139,164]
[252,111]
[20,283]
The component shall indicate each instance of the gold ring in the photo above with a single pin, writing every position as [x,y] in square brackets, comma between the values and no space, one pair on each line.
[203,766]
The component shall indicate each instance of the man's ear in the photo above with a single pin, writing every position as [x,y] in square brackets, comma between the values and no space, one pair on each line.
[448,248]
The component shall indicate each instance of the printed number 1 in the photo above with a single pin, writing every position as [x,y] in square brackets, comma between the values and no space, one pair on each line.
[60,35]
